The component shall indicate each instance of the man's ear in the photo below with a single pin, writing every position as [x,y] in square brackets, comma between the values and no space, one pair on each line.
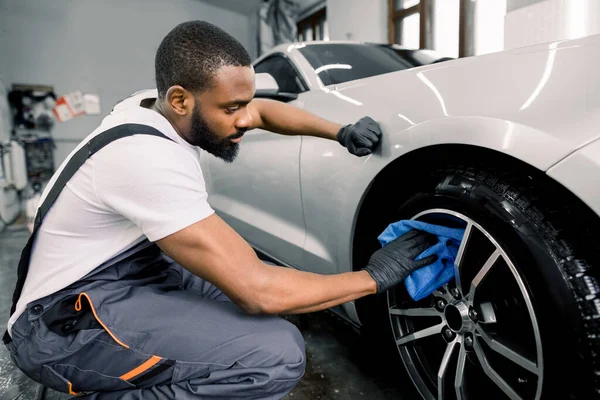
[180,100]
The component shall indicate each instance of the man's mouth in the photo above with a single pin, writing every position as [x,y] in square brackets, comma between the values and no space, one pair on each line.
[237,137]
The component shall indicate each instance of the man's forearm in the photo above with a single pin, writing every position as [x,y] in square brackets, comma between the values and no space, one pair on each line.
[289,291]
[286,119]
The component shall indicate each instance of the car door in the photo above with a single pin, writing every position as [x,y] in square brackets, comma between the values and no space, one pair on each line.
[329,173]
[259,193]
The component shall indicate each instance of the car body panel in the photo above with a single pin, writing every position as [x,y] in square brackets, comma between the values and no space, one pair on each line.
[456,103]
[509,102]
[333,198]
[259,194]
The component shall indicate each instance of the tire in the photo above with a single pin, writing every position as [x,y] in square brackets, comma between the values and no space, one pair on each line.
[549,237]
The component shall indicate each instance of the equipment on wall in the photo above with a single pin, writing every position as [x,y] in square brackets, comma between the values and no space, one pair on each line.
[28,113]
[33,120]
[26,147]
[32,106]
[9,199]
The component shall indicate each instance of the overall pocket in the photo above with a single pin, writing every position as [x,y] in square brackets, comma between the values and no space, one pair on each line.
[102,365]
[95,357]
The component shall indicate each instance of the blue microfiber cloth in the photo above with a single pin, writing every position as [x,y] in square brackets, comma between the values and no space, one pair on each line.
[424,281]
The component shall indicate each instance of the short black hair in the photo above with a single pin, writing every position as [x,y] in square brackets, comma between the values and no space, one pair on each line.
[191,53]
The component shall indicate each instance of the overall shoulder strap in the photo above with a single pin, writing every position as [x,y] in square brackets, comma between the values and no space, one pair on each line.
[73,165]
[91,147]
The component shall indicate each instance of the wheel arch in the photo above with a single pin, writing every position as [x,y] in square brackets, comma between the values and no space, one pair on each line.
[370,219]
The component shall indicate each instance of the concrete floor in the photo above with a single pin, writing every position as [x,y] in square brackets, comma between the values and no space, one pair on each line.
[339,366]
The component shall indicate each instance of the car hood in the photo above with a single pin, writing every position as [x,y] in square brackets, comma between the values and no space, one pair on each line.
[549,88]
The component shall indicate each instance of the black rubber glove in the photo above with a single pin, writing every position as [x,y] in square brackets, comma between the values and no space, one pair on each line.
[360,138]
[391,264]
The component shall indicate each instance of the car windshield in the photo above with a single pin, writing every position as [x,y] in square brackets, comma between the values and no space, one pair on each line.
[338,62]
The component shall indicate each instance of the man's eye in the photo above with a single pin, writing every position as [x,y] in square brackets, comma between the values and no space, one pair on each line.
[231,110]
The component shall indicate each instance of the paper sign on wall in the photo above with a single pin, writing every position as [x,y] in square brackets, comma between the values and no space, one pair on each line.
[92,103]
[75,103]
[69,106]
[61,110]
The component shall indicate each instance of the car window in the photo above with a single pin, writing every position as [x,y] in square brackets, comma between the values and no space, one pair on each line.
[336,63]
[284,73]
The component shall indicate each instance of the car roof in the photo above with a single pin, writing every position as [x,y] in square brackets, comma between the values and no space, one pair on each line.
[291,46]
[284,46]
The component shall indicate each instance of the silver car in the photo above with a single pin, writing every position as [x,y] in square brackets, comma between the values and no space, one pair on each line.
[502,145]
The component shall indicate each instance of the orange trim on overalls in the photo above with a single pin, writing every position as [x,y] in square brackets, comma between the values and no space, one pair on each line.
[78,308]
[71,392]
[142,368]
[152,361]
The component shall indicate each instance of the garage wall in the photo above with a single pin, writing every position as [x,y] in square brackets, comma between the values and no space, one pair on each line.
[358,20]
[531,22]
[105,47]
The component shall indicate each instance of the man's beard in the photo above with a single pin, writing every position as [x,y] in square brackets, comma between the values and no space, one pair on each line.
[201,136]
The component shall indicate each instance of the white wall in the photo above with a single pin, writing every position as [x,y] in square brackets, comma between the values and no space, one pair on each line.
[100,46]
[489,26]
[446,19]
[367,20]
[550,20]
[364,20]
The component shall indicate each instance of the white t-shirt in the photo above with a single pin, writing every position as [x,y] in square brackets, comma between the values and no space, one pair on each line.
[137,187]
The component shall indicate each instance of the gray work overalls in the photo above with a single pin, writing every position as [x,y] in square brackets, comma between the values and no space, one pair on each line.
[142,327]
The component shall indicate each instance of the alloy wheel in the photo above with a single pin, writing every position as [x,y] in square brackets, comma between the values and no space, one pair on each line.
[477,336]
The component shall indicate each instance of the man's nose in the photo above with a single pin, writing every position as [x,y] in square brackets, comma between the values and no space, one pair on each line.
[245,120]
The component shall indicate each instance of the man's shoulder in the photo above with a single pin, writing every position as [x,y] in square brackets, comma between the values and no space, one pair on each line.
[141,163]
[143,149]
[135,99]
[151,130]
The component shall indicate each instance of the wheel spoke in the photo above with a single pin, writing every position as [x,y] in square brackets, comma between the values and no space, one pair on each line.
[415,312]
[460,254]
[493,375]
[443,367]
[482,273]
[508,353]
[432,330]
[460,375]
[474,274]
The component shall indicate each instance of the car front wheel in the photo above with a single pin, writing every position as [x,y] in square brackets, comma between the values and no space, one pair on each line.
[520,319]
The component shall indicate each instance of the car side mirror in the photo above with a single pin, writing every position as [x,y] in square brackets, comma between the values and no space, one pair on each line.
[267,87]
[265,84]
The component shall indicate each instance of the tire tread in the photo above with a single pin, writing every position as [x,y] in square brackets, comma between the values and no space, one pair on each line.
[580,275]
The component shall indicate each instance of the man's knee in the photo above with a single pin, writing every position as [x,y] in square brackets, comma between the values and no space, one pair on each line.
[284,348]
